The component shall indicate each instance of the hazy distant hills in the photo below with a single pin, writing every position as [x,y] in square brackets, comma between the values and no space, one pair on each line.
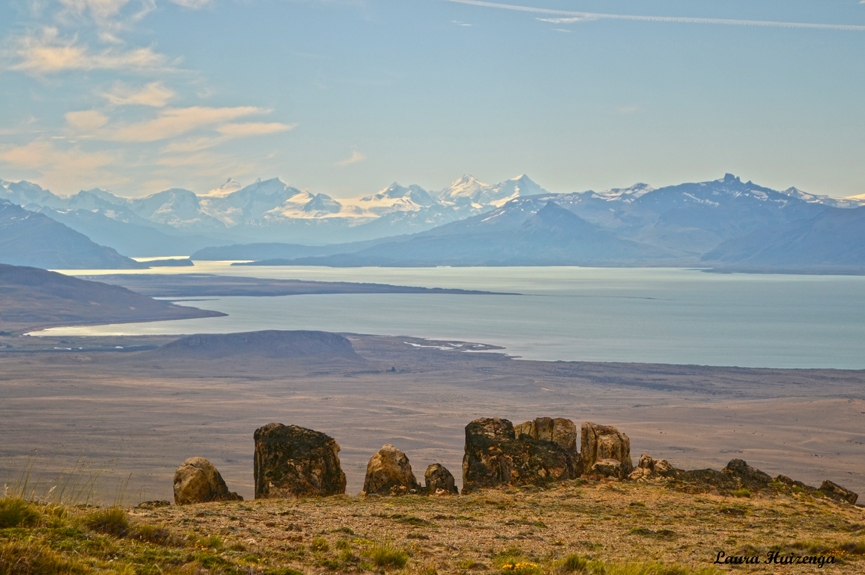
[834,238]
[32,298]
[33,239]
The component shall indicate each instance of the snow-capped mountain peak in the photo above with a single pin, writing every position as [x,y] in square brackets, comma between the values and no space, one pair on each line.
[229,187]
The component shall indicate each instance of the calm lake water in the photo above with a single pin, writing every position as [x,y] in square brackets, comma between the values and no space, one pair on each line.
[565,313]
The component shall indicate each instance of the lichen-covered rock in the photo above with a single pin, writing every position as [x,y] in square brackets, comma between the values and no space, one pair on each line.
[439,480]
[559,430]
[835,491]
[292,461]
[605,442]
[650,469]
[198,481]
[495,456]
[608,468]
[389,473]
[749,476]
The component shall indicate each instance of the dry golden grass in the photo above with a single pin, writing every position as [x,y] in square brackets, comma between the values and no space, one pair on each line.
[608,528]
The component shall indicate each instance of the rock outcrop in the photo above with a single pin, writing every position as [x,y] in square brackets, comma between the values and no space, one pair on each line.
[495,456]
[389,473]
[439,481]
[650,469]
[835,491]
[558,430]
[599,442]
[292,461]
[750,477]
[198,481]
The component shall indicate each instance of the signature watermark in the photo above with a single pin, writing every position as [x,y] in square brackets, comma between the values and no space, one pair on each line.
[774,558]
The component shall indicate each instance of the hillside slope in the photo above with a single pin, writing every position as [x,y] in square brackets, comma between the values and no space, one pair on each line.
[33,239]
[33,298]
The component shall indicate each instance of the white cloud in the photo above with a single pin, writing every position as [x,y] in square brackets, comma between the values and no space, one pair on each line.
[48,53]
[353,159]
[86,120]
[175,122]
[154,94]
[571,16]
[627,110]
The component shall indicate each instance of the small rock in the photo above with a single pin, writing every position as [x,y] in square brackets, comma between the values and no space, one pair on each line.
[835,491]
[198,481]
[389,473]
[292,461]
[439,479]
[605,442]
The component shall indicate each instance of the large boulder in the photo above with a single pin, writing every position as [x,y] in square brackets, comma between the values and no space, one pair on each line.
[292,461]
[389,473]
[605,442]
[558,430]
[439,481]
[198,481]
[495,456]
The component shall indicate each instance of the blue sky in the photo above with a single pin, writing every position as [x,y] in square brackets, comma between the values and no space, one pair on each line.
[346,96]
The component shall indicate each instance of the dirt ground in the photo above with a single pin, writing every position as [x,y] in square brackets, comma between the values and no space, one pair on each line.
[132,417]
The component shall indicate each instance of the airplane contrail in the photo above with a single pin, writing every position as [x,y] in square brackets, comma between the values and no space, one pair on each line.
[572,16]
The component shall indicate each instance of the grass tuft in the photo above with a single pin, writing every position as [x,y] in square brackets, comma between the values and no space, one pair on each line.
[111,521]
[387,556]
[15,512]
[574,563]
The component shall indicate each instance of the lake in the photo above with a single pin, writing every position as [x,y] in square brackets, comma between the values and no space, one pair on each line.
[656,315]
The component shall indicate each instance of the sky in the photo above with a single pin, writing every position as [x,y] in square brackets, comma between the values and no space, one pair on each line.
[346,96]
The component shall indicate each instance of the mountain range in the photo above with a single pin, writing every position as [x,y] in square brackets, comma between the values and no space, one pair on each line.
[178,221]
[718,223]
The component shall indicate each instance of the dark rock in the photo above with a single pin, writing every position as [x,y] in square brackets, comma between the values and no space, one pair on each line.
[389,473]
[835,491]
[495,456]
[605,442]
[608,468]
[292,461]
[749,476]
[558,430]
[198,481]
[439,480]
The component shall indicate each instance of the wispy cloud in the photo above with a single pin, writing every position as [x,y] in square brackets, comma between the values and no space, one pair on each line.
[154,94]
[570,16]
[227,133]
[87,121]
[253,129]
[194,4]
[354,158]
[47,53]
[67,167]
[175,122]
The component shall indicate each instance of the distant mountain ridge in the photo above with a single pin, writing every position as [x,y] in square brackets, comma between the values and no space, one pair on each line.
[514,222]
[268,210]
